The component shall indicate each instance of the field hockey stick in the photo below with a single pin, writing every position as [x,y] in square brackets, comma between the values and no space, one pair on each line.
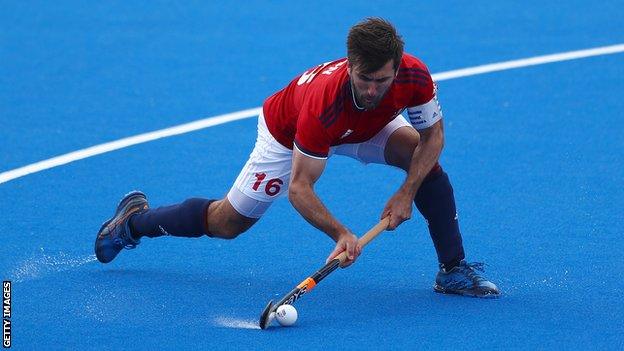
[309,283]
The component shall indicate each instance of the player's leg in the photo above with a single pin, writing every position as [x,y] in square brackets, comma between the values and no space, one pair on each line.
[264,178]
[225,222]
[435,199]
[436,202]
[192,218]
[227,218]
[394,145]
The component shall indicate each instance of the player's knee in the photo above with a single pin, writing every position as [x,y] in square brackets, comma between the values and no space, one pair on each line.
[400,147]
[415,138]
[404,158]
[225,223]
[230,233]
[232,230]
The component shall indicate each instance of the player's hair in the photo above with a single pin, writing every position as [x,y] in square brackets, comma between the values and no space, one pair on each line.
[371,43]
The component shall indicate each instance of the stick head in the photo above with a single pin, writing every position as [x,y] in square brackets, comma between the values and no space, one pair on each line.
[267,316]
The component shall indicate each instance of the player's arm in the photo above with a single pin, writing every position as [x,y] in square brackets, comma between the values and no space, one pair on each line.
[425,156]
[427,119]
[305,172]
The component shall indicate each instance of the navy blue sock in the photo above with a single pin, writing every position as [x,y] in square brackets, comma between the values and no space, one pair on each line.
[436,203]
[188,219]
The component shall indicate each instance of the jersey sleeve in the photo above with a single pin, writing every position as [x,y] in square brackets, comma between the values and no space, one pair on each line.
[311,138]
[425,115]
[424,109]
[322,105]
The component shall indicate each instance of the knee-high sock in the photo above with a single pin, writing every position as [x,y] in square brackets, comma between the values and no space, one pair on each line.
[188,219]
[436,203]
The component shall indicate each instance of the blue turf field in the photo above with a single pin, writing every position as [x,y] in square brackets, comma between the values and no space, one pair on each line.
[535,155]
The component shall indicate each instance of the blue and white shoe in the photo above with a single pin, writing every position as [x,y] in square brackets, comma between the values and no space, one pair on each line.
[464,280]
[114,234]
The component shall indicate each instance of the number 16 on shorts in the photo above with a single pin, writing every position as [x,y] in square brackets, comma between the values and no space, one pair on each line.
[271,187]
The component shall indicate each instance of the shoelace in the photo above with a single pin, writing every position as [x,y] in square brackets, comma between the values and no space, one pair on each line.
[471,268]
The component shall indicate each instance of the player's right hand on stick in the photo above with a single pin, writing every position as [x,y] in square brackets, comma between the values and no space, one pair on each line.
[347,242]
[398,208]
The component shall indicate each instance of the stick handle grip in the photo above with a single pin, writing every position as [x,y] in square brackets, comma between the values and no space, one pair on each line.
[368,237]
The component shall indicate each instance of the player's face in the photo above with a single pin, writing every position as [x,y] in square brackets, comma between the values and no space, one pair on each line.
[370,88]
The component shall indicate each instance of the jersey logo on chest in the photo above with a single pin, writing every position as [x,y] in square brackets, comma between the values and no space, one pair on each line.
[347,133]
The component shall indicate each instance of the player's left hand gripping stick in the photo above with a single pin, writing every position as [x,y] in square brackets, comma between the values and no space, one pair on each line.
[309,283]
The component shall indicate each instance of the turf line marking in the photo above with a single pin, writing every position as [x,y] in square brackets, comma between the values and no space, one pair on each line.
[125,142]
[229,117]
[531,61]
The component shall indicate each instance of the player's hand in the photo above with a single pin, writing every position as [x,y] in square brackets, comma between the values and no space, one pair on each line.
[349,243]
[399,208]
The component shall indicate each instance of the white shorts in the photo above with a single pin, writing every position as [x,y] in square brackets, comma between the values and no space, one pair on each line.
[266,174]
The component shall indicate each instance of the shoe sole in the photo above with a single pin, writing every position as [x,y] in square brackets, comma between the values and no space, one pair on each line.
[123,203]
[439,289]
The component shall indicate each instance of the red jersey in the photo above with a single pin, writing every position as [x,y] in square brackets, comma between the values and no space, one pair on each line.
[317,109]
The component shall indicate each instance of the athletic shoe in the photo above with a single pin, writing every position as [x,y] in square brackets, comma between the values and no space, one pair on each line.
[464,280]
[114,234]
